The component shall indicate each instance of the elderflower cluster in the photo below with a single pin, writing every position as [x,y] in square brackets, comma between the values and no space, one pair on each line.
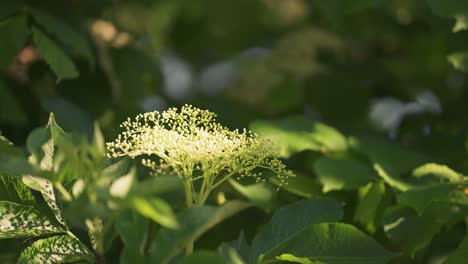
[190,143]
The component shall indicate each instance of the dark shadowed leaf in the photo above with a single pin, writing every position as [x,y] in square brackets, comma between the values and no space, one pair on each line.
[193,222]
[342,173]
[54,56]
[331,243]
[14,32]
[290,219]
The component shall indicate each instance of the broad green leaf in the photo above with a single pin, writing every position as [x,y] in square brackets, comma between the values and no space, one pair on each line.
[459,60]
[121,186]
[331,243]
[412,232]
[98,139]
[294,259]
[392,157]
[438,170]
[132,229]
[14,32]
[15,166]
[74,40]
[11,110]
[460,255]
[199,257]
[41,143]
[392,181]
[366,212]
[12,189]
[235,252]
[295,134]
[194,222]
[157,210]
[259,194]
[290,219]
[157,185]
[4,140]
[18,220]
[47,190]
[301,185]
[54,56]
[419,198]
[56,249]
[342,173]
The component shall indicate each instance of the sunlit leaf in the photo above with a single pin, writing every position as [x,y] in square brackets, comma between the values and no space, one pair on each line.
[259,194]
[459,60]
[56,249]
[12,189]
[157,210]
[295,134]
[301,185]
[18,220]
[371,196]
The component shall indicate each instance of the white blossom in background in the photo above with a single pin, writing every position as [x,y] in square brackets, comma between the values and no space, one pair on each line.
[177,77]
[387,113]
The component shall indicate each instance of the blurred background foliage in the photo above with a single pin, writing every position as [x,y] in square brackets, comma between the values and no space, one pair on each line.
[393,69]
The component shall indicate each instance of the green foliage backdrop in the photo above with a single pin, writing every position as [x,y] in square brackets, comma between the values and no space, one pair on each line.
[366,101]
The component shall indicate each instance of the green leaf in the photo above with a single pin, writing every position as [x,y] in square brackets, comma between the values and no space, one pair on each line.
[122,185]
[459,60]
[157,185]
[290,219]
[451,8]
[199,257]
[18,220]
[11,110]
[193,222]
[392,181]
[371,197]
[76,41]
[235,252]
[132,228]
[54,56]
[259,194]
[12,189]
[14,32]
[98,139]
[57,249]
[460,255]
[157,210]
[295,134]
[342,173]
[392,157]
[438,170]
[47,190]
[419,198]
[301,185]
[332,243]
[413,232]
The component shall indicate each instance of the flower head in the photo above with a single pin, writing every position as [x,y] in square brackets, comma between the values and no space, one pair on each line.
[191,144]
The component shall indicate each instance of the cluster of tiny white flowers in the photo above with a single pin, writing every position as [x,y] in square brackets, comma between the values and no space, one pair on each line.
[190,143]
